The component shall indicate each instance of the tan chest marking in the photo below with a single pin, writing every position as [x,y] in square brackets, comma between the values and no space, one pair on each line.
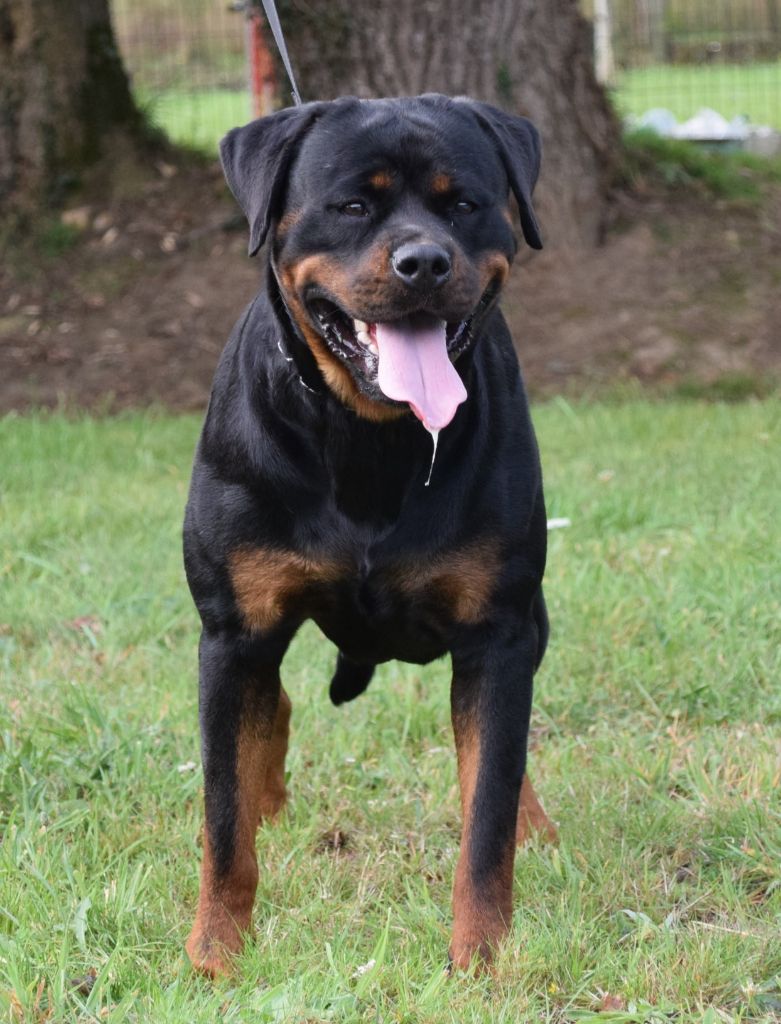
[464,579]
[266,581]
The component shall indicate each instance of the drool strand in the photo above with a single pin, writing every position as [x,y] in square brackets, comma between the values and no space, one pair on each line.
[435,439]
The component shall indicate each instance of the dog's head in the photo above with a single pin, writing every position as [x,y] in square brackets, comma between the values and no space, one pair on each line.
[391,235]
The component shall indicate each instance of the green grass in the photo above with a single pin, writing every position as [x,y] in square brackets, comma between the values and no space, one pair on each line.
[656,747]
[199,117]
[732,89]
[676,162]
[196,118]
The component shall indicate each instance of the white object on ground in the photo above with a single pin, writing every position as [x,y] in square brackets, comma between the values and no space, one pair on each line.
[559,523]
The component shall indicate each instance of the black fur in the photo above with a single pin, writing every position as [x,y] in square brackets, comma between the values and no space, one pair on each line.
[284,464]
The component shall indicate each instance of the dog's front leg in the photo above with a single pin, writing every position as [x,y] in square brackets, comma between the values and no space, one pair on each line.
[491,703]
[244,714]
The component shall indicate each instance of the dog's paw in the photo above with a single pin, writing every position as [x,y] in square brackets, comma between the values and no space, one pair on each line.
[213,952]
[473,957]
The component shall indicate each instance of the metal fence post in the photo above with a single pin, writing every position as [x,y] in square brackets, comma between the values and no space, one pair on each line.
[603,42]
[262,78]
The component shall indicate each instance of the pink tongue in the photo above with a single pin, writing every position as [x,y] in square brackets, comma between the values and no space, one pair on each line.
[415,368]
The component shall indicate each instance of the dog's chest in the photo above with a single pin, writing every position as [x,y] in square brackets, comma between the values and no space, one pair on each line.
[435,592]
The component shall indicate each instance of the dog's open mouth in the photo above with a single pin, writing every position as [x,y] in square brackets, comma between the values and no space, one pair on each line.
[356,339]
[409,359]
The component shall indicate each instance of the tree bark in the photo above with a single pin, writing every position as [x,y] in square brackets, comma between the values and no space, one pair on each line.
[525,56]
[64,96]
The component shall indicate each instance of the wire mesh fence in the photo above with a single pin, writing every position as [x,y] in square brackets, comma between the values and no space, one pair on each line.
[198,67]
[687,54]
[188,65]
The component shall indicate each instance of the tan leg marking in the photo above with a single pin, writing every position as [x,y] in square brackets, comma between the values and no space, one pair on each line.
[532,816]
[225,902]
[480,919]
[273,795]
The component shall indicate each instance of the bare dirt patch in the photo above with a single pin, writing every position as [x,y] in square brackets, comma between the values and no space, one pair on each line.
[137,305]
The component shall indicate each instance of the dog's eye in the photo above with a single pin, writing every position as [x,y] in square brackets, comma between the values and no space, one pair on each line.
[355,208]
[464,206]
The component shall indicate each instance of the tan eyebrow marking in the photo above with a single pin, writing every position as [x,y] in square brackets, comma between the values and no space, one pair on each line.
[381,179]
[441,183]
[289,220]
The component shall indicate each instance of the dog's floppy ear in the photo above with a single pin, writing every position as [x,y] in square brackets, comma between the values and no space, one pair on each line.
[255,160]
[518,142]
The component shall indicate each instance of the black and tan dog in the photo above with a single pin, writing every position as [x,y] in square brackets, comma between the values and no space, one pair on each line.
[377,327]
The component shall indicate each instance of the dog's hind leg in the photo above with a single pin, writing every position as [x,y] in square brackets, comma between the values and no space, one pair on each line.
[540,613]
[273,795]
[531,813]
[349,680]
[532,817]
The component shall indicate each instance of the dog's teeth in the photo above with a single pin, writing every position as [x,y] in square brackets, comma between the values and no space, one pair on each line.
[373,348]
[363,337]
[360,326]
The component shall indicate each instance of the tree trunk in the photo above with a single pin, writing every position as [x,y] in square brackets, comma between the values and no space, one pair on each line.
[64,96]
[529,57]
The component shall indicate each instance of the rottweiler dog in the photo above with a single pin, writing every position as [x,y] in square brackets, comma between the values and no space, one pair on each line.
[375,342]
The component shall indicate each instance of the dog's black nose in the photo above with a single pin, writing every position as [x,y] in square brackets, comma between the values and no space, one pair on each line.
[422,265]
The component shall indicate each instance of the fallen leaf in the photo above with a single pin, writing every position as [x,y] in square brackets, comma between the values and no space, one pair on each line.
[85,983]
[363,968]
[85,622]
[77,218]
[334,840]
[610,1002]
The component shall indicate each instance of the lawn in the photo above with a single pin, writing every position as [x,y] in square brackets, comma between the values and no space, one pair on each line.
[753,90]
[196,117]
[656,746]
[199,117]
